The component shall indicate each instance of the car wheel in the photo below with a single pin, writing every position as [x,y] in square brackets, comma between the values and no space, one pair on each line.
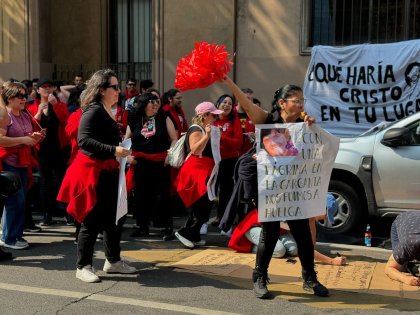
[349,214]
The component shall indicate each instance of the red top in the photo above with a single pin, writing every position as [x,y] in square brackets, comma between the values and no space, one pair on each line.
[247,126]
[174,115]
[78,188]
[62,113]
[231,138]
[71,130]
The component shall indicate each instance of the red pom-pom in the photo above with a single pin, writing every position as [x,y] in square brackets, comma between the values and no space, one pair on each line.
[206,64]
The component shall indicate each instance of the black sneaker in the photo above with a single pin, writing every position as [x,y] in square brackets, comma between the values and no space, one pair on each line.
[260,285]
[168,235]
[5,255]
[312,285]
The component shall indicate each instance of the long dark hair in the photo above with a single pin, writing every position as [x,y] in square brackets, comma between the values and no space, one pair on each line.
[139,107]
[98,81]
[232,115]
[284,93]
[168,95]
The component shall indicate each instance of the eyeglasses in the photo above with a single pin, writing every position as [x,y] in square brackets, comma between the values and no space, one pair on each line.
[22,96]
[114,86]
[296,102]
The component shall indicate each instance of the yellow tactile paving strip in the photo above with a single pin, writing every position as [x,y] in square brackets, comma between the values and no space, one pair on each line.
[341,298]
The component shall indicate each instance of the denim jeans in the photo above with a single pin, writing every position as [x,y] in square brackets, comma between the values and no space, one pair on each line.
[14,214]
[286,244]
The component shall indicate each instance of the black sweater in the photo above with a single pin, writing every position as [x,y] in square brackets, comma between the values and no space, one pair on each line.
[98,133]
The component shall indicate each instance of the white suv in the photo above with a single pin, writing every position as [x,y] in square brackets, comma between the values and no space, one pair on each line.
[376,174]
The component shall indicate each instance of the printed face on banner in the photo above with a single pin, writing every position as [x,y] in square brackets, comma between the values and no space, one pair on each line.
[294,164]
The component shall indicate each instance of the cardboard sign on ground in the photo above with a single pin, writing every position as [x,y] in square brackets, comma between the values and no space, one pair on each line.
[357,276]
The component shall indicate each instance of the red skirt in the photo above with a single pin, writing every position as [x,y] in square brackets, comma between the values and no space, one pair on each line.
[78,188]
[191,183]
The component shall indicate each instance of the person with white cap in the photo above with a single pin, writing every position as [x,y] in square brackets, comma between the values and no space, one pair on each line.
[191,182]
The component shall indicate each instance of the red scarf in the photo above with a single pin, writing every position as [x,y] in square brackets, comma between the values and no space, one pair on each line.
[25,159]
[78,188]
[175,117]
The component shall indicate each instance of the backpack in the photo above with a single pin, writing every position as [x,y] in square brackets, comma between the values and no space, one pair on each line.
[178,153]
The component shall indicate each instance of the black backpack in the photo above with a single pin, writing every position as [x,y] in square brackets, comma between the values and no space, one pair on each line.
[9,184]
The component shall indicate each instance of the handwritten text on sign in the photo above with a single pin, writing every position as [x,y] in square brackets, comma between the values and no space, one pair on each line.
[294,163]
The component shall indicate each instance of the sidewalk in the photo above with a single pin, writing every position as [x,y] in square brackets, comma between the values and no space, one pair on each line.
[215,261]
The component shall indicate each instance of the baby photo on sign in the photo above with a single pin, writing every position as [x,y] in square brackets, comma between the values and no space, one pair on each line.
[278,142]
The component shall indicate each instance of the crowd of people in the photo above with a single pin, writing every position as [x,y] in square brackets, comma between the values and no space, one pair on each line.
[71,136]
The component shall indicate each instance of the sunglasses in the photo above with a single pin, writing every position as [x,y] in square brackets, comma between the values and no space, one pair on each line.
[114,86]
[131,84]
[21,96]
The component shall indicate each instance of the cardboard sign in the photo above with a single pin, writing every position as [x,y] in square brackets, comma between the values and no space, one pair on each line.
[294,164]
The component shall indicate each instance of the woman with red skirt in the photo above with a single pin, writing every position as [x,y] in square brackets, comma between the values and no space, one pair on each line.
[192,179]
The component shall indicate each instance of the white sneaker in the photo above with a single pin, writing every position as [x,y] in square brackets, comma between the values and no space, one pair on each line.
[87,274]
[183,240]
[203,229]
[200,243]
[16,245]
[118,267]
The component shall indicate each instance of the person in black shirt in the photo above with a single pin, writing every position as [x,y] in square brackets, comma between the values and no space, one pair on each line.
[151,133]
[91,182]
[405,239]
[287,106]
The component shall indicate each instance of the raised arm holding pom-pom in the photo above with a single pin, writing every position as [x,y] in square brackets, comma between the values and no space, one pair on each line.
[256,113]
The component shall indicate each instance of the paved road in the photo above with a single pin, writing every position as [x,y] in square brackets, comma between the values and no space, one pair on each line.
[41,280]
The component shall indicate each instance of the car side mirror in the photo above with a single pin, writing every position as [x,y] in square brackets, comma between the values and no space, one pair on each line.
[396,137]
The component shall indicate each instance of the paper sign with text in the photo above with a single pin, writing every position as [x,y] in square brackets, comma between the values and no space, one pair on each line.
[294,164]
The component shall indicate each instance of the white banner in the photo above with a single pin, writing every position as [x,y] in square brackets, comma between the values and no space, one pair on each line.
[351,89]
[294,164]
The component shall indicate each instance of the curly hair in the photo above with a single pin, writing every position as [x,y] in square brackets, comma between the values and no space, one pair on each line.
[98,81]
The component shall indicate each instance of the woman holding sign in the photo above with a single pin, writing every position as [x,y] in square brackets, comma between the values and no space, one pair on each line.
[288,106]
[90,186]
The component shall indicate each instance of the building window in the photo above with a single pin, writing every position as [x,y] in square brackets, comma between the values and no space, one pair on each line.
[131,37]
[348,22]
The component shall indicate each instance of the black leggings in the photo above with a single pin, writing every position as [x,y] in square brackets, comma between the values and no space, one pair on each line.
[270,234]
[101,219]
[200,212]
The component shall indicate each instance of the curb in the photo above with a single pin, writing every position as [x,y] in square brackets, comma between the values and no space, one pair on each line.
[355,247]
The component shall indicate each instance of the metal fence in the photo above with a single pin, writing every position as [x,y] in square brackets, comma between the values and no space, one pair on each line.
[124,71]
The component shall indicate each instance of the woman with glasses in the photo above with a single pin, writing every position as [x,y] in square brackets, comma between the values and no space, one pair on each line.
[16,140]
[90,186]
[151,133]
[288,106]
[192,179]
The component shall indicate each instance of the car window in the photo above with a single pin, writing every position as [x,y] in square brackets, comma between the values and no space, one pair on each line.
[414,133]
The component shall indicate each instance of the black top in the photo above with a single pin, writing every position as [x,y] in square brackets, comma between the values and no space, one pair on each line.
[159,142]
[271,120]
[98,133]
[407,247]
[207,150]
[51,144]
